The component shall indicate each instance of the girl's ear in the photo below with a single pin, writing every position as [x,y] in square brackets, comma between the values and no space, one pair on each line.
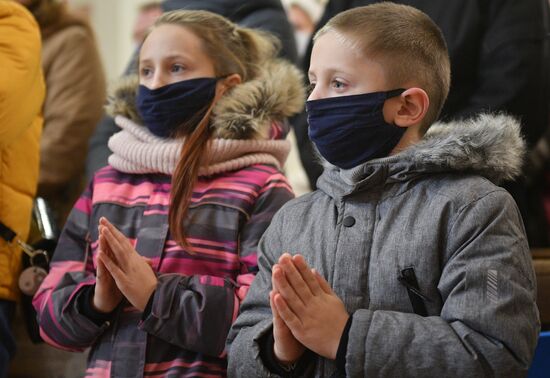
[408,109]
[228,83]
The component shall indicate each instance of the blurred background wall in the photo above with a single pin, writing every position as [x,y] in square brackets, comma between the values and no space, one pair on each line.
[112,21]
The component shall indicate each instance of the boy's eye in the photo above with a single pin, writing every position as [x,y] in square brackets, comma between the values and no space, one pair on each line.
[310,88]
[336,84]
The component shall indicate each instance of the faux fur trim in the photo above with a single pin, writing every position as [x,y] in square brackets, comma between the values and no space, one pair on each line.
[245,112]
[489,145]
[248,110]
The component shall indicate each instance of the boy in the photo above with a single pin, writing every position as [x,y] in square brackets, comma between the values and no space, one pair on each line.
[421,267]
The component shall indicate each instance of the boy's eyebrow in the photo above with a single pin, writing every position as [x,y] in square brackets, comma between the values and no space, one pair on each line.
[329,70]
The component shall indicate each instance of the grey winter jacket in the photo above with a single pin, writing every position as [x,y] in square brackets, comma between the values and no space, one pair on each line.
[433,208]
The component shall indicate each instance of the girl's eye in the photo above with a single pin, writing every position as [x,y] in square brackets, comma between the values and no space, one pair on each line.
[145,72]
[176,68]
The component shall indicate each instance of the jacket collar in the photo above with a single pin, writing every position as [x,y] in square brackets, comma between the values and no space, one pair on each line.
[488,145]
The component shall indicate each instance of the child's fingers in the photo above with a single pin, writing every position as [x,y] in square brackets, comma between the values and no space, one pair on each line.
[103,245]
[322,282]
[100,269]
[115,271]
[105,248]
[117,249]
[272,304]
[290,319]
[273,283]
[118,236]
[302,267]
[295,278]
[287,291]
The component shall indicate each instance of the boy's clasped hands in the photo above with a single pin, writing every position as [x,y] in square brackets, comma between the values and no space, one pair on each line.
[306,312]
[121,271]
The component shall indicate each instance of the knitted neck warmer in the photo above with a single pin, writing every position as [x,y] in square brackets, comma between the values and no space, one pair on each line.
[136,150]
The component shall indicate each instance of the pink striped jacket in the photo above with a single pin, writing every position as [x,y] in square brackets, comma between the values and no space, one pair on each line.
[198,295]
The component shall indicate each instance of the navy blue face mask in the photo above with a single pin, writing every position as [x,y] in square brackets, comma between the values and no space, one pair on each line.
[165,109]
[350,130]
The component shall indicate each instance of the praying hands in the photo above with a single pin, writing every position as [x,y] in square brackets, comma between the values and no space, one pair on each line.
[121,271]
[306,312]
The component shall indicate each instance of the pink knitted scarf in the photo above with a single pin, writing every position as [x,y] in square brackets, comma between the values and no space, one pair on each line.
[136,150]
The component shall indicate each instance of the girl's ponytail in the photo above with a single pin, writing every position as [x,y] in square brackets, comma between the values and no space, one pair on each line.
[185,177]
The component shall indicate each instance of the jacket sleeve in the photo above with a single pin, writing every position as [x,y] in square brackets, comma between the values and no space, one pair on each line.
[488,325]
[21,83]
[74,105]
[61,322]
[196,312]
[255,318]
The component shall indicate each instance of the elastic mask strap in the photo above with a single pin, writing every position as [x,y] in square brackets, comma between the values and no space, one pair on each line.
[394,93]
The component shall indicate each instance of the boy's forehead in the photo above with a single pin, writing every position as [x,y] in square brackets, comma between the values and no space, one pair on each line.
[333,38]
[335,48]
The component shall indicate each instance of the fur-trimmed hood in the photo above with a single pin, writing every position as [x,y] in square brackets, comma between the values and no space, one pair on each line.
[245,112]
[488,145]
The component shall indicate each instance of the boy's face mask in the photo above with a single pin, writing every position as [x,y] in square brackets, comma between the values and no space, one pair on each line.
[351,130]
[165,109]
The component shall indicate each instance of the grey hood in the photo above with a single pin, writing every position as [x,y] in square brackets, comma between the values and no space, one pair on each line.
[488,145]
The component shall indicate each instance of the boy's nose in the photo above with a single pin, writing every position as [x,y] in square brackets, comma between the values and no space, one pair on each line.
[315,94]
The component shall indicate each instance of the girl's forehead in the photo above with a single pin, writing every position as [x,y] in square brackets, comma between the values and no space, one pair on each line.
[170,39]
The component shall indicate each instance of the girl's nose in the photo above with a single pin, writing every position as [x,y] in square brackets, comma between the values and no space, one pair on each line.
[158,81]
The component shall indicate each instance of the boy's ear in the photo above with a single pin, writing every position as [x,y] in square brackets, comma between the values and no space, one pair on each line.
[409,108]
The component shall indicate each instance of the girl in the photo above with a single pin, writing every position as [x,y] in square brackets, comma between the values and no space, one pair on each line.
[160,250]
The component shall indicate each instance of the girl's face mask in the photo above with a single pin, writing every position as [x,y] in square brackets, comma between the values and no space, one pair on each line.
[351,130]
[165,109]
[177,79]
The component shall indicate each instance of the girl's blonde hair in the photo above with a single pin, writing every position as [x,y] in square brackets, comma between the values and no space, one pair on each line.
[233,50]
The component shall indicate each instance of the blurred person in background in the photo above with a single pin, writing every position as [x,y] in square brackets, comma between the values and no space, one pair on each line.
[267,15]
[75,96]
[303,15]
[147,15]
[21,97]
[499,64]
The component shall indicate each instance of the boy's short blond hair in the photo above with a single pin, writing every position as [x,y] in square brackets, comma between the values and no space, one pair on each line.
[407,43]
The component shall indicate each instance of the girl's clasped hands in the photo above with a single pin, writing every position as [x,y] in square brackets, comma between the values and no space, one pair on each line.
[121,272]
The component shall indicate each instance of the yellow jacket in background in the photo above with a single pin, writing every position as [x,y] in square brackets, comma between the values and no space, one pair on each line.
[21,96]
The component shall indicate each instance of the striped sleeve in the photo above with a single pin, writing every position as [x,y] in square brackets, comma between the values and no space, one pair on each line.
[61,323]
[196,312]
